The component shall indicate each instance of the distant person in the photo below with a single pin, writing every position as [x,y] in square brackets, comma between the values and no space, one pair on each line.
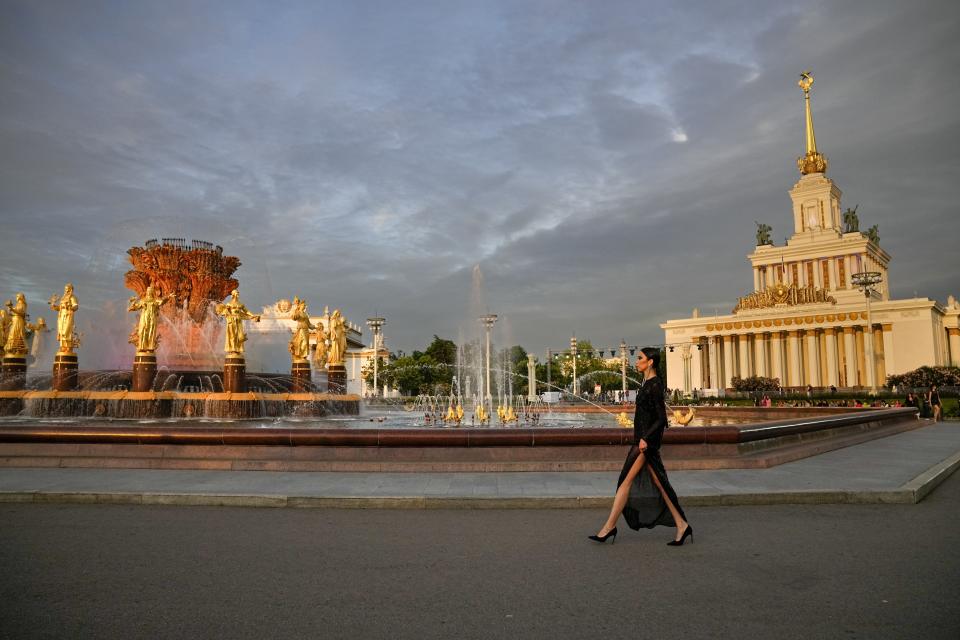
[809,390]
[933,399]
[911,401]
[644,494]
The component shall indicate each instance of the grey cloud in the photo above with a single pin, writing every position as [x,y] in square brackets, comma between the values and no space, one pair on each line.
[367,155]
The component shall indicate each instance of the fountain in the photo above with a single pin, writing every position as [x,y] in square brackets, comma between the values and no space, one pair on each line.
[207,411]
[176,371]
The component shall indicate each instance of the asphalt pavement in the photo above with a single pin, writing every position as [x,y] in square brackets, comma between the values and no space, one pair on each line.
[783,571]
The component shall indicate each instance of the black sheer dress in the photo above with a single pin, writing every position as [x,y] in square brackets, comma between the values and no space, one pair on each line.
[645,504]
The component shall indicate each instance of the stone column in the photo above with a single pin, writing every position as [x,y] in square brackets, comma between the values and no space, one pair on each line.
[696,368]
[760,354]
[888,348]
[756,279]
[813,358]
[144,371]
[727,361]
[830,335]
[879,355]
[13,375]
[862,367]
[850,356]
[954,336]
[235,373]
[714,347]
[744,344]
[776,358]
[300,376]
[793,340]
[65,371]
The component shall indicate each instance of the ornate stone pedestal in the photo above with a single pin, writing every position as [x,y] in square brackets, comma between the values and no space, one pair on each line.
[336,378]
[14,374]
[301,374]
[144,371]
[235,374]
[65,372]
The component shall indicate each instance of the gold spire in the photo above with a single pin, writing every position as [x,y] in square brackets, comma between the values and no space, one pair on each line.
[813,161]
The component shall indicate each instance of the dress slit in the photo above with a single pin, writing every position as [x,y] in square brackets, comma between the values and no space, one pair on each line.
[646,507]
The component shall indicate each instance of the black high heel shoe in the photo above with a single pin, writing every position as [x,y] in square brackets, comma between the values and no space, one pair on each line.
[610,534]
[686,532]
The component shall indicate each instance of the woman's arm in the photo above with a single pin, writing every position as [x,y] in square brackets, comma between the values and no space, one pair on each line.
[659,410]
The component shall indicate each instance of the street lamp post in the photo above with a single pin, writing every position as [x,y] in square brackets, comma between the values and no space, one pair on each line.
[488,322]
[573,353]
[549,366]
[375,324]
[623,370]
[866,281]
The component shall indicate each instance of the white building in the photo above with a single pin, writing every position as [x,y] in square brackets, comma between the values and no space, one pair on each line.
[805,321]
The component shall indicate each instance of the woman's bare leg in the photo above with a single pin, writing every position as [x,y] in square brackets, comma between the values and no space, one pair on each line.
[620,499]
[677,518]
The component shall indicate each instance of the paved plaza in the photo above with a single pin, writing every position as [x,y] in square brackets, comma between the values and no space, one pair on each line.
[780,571]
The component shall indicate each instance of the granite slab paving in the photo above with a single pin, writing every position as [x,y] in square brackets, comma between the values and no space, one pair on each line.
[879,471]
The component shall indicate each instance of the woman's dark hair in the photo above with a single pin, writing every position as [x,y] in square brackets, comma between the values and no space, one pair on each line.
[654,354]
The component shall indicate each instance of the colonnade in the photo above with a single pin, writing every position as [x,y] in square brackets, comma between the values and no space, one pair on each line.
[820,356]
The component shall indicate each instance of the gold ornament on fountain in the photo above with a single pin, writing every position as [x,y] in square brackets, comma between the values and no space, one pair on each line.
[235,312]
[681,419]
[144,335]
[338,338]
[16,342]
[813,161]
[300,342]
[66,306]
[4,328]
[624,420]
[320,352]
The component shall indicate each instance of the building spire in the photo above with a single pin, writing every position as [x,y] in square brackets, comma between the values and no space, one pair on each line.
[813,161]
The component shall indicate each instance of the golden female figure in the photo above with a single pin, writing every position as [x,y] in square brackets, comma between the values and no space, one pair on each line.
[4,328]
[338,338]
[320,353]
[300,342]
[16,344]
[235,312]
[66,307]
[145,335]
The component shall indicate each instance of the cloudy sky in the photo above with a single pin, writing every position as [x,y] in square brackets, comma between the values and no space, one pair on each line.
[602,162]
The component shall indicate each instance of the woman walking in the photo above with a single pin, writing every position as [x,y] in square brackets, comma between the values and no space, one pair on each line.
[644,494]
[933,399]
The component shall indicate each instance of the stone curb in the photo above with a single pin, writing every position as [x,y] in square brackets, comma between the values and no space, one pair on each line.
[910,493]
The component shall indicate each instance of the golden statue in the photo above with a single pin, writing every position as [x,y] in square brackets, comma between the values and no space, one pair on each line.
[4,327]
[681,418]
[300,342]
[16,343]
[235,312]
[338,338]
[813,161]
[624,420]
[144,335]
[66,306]
[320,353]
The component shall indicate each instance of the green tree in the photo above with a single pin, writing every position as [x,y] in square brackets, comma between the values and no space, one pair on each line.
[442,351]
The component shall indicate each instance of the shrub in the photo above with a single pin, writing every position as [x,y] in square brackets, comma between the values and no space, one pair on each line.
[926,376]
[755,383]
